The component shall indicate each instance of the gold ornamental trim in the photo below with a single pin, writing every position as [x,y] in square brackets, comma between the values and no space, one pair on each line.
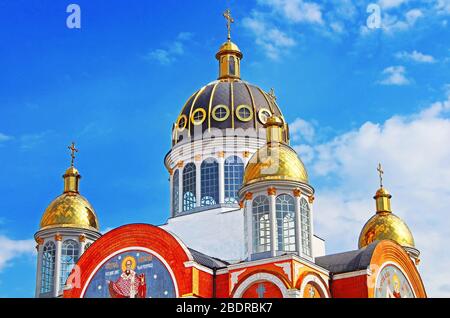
[39,240]
[311,199]
[82,238]
[271,191]
[182,125]
[248,196]
[216,108]
[263,114]
[244,119]
[58,237]
[297,192]
[198,122]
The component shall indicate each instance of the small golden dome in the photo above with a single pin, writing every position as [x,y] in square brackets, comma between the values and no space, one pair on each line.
[70,210]
[229,48]
[276,160]
[386,226]
[72,171]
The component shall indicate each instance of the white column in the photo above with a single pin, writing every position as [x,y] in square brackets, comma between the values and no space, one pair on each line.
[180,190]
[198,183]
[221,161]
[293,293]
[249,223]
[311,228]
[82,244]
[273,222]
[57,266]
[40,250]
[171,193]
[298,225]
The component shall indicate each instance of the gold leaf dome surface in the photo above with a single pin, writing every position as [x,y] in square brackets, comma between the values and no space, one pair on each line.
[386,226]
[70,210]
[275,162]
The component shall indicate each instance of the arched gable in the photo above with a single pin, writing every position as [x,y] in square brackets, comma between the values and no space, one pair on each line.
[168,250]
[386,253]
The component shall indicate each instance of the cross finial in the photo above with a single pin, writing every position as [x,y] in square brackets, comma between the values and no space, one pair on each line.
[229,18]
[380,172]
[73,150]
[272,94]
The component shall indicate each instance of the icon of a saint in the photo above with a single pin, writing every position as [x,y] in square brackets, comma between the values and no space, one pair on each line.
[129,284]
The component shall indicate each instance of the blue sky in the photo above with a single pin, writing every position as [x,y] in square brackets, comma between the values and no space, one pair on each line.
[354,96]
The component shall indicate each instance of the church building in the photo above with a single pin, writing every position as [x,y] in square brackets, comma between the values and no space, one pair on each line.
[241,222]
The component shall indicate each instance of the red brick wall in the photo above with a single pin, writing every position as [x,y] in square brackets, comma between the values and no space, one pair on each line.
[352,287]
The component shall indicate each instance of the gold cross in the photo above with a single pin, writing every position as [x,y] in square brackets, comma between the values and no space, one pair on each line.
[380,172]
[73,150]
[272,94]
[229,18]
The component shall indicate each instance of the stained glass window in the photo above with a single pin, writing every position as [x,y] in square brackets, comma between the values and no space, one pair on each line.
[261,224]
[69,256]
[234,172]
[189,186]
[48,267]
[285,211]
[306,226]
[209,182]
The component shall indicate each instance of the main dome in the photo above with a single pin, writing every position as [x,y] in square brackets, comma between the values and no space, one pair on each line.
[223,105]
[227,103]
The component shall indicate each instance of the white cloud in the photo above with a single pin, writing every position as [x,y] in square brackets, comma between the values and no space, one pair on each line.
[416,158]
[392,24]
[390,4]
[443,6]
[168,55]
[271,39]
[4,137]
[11,249]
[415,56]
[302,129]
[296,10]
[394,75]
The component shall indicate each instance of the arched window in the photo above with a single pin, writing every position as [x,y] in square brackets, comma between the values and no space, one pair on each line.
[261,224]
[210,182]
[234,172]
[232,65]
[48,267]
[69,257]
[176,192]
[285,211]
[189,186]
[306,226]
[87,246]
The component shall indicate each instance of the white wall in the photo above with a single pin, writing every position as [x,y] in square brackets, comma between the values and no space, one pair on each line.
[217,233]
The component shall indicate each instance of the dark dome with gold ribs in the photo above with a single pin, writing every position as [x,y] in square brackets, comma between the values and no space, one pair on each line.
[228,103]
[223,105]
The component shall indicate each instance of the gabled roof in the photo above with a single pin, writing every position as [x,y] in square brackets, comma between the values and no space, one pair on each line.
[208,261]
[348,261]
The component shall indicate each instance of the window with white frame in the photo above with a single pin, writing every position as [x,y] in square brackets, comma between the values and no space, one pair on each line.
[285,212]
[48,267]
[69,256]
[305,215]
[175,192]
[261,224]
[234,173]
[189,187]
[209,182]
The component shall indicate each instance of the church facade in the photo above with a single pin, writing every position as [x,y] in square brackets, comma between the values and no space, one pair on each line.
[241,218]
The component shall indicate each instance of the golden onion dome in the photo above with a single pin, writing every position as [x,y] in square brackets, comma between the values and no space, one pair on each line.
[70,210]
[276,160]
[385,225]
